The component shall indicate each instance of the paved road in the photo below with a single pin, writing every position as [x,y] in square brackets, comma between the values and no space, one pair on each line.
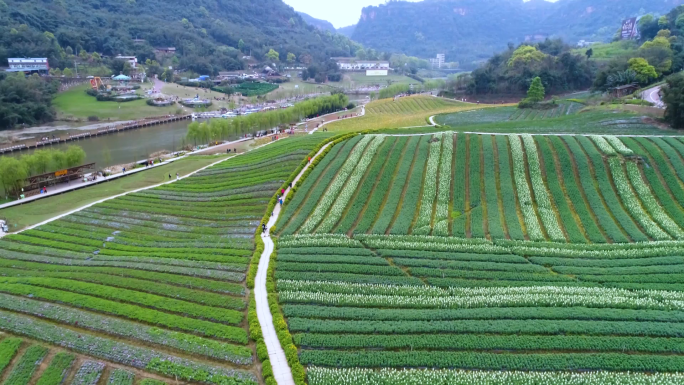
[276,354]
[652,95]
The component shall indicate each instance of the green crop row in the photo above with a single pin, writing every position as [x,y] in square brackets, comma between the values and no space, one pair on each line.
[419,254]
[121,328]
[411,194]
[120,377]
[345,259]
[346,277]
[134,297]
[8,348]
[476,206]
[196,270]
[181,293]
[341,268]
[26,366]
[489,176]
[609,195]
[554,145]
[393,183]
[553,181]
[592,193]
[509,327]
[508,197]
[495,361]
[365,188]
[484,314]
[490,266]
[133,312]
[56,372]
[488,342]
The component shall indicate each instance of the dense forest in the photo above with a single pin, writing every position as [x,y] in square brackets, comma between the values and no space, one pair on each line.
[512,71]
[209,35]
[660,53]
[471,31]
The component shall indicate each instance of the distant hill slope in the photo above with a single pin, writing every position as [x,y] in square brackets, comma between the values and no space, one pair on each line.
[469,31]
[318,23]
[200,30]
[347,31]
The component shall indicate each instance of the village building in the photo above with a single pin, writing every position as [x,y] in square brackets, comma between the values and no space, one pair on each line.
[34,64]
[132,60]
[352,64]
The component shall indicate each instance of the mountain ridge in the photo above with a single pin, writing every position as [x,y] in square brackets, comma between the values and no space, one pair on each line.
[470,31]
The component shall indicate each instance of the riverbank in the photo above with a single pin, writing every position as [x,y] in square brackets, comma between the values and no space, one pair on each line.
[22,216]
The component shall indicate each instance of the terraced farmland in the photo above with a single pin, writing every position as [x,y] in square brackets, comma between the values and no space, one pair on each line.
[153,281]
[573,189]
[507,259]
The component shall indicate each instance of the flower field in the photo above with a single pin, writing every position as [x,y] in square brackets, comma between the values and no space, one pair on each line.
[482,259]
[154,280]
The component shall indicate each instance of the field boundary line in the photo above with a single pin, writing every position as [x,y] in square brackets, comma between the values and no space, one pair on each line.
[276,355]
[130,192]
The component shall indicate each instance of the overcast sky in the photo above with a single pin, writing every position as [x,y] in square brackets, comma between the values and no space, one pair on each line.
[340,13]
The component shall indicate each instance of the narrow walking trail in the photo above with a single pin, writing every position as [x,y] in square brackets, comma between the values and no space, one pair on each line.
[276,354]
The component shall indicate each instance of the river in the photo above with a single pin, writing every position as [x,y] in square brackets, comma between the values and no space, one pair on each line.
[106,150]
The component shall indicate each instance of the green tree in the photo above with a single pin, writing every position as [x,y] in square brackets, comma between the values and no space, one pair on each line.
[526,55]
[673,97]
[273,55]
[68,72]
[589,53]
[291,58]
[644,71]
[536,92]
[12,173]
[658,52]
[74,156]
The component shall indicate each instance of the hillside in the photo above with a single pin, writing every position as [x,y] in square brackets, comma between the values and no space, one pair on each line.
[469,31]
[323,25]
[347,31]
[201,31]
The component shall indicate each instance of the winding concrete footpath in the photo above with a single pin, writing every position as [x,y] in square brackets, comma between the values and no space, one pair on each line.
[652,95]
[276,354]
[363,112]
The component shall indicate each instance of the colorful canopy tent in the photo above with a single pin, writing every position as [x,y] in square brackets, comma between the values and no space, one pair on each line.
[121,78]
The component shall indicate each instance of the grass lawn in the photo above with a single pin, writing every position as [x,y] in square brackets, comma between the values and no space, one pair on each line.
[296,86]
[77,104]
[359,79]
[605,52]
[19,217]
[405,112]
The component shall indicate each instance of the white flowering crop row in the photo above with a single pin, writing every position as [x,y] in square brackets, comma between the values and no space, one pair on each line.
[350,187]
[603,145]
[632,202]
[318,240]
[344,294]
[336,186]
[331,376]
[441,227]
[424,220]
[434,243]
[650,202]
[546,211]
[524,196]
[618,145]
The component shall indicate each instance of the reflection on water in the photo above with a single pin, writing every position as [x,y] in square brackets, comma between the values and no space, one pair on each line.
[122,147]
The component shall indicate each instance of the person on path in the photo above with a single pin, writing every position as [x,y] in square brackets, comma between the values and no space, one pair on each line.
[169,176]
[263,227]
[309,159]
[282,191]
[124,170]
[177,176]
